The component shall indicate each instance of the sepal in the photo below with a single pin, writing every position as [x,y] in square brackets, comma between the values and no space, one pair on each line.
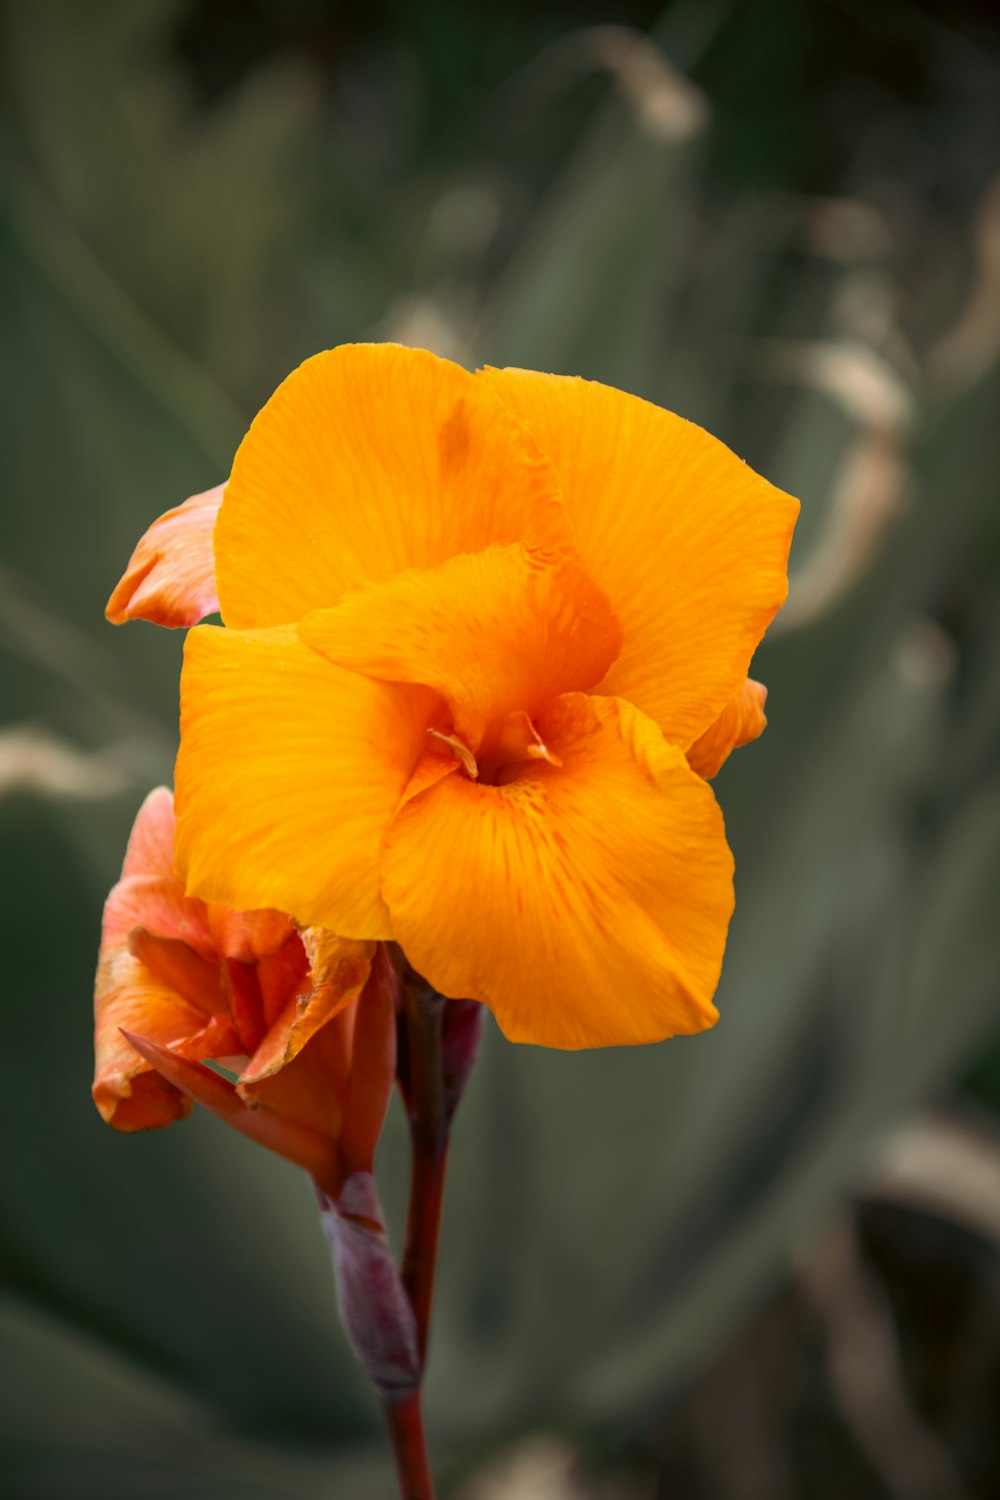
[374,1308]
[461,1034]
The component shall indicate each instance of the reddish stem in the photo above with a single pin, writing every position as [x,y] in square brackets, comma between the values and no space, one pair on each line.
[406,1429]
[425,1098]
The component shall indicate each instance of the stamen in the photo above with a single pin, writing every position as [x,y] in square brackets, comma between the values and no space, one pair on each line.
[463,752]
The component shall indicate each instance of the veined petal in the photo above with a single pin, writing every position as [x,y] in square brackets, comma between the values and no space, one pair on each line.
[369,459]
[743,719]
[170,578]
[688,543]
[492,632]
[587,904]
[288,773]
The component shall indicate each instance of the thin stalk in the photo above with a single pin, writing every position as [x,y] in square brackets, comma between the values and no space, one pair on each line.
[406,1429]
[425,1099]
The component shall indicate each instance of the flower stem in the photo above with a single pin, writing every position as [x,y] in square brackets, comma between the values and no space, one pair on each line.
[425,1099]
[406,1429]
[438,1043]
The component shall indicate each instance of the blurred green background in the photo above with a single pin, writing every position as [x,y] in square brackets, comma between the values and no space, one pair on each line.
[761,1264]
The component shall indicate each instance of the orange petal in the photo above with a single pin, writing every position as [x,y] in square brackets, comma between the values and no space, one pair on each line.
[492,632]
[297,1143]
[127,1094]
[288,773]
[742,720]
[587,904]
[369,459]
[151,843]
[340,969]
[687,542]
[170,578]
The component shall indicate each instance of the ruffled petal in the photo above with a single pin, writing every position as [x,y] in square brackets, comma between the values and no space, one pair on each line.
[587,904]
[743,719]
[492,632]
[288,773]
[170,578]
[688,543]
[369,459]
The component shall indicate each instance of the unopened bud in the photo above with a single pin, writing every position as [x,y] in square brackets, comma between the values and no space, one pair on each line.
[374,1308]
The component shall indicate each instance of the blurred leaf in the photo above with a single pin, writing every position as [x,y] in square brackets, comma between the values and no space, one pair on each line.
[107,128]
[612,1215]
[76,1420]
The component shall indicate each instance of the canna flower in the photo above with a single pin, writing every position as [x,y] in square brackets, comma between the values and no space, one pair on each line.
[486,638]
[180,980]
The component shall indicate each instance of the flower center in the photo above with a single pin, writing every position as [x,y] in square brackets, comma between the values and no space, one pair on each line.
[507,744]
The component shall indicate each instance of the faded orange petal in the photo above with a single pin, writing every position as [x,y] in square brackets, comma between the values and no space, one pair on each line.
[340,969]
[587,903]
[491,632]
[170,578]
[174,963]
[150,849]
[248,935]
[288,773]
[370,459]
[127,1093]
[687,542]
[743,719]
[149,894]
[157,902]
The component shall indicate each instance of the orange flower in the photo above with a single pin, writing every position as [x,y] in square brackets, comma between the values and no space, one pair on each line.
[180,980]
[486,635]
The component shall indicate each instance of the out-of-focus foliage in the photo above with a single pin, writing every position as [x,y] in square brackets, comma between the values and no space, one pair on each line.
[187,210]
